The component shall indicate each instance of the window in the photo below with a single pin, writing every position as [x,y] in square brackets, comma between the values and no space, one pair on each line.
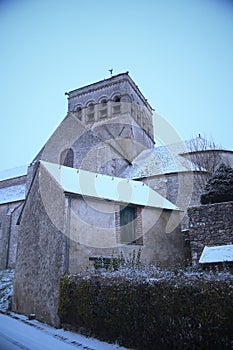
[67,158]
[90,112]
[103,110]
[116,105]
[79,113]
[103,113]
[103,102]
[128,224]
[117,99]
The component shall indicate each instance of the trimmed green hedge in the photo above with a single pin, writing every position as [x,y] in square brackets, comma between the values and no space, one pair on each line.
[178,312]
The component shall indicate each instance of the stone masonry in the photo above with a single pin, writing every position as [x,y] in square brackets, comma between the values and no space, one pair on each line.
[210,225]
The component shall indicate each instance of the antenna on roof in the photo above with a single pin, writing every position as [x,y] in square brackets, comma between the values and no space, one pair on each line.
[110,71]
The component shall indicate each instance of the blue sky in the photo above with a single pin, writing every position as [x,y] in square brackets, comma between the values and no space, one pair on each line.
[179,53]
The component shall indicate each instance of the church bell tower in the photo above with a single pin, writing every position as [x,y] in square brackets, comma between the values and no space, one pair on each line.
[117,113]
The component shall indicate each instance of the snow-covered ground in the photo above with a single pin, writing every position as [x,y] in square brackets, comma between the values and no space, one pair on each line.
[20,333]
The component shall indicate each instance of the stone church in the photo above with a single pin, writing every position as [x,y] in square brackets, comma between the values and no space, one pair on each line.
[98,187]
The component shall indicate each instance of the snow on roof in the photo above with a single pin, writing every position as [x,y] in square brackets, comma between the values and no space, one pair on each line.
[157,161]
[107,187]
[12,194]
[15,172]
[217,254]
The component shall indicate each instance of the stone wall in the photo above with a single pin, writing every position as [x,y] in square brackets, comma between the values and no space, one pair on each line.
[210,225]
[9,214]
[41,252]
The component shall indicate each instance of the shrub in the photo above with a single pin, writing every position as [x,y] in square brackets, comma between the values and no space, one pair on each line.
[219,188]
[151,309]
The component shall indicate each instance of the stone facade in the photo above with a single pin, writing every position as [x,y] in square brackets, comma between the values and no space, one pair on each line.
[9,214]
[210,225]
[110,97]
[94,232]
[40,255]
[107,125]
[179,188]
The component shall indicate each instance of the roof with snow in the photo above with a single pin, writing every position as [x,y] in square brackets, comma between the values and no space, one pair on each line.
[12,194]
[157,161]
[12,173]
[100,186]
[221,253]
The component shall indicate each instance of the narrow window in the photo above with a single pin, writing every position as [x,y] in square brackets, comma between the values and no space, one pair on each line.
[90,112]
[103,111]
[128,224]
[79,113]
[67,158]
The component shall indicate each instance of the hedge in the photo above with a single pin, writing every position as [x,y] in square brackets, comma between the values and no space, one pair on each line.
[174,312]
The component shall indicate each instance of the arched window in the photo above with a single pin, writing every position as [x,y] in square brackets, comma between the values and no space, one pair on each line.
[117,99]
[116,105]
[104,101]
[67,158]
[79,112]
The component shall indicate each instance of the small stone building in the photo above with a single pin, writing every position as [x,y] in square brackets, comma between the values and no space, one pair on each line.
[71,218]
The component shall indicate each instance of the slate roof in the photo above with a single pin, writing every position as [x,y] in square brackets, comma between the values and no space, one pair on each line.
[106,187]
[12,194]
[221,253]
[156,161]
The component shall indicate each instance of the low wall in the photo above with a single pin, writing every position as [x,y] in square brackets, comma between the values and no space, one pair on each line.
[211,225]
